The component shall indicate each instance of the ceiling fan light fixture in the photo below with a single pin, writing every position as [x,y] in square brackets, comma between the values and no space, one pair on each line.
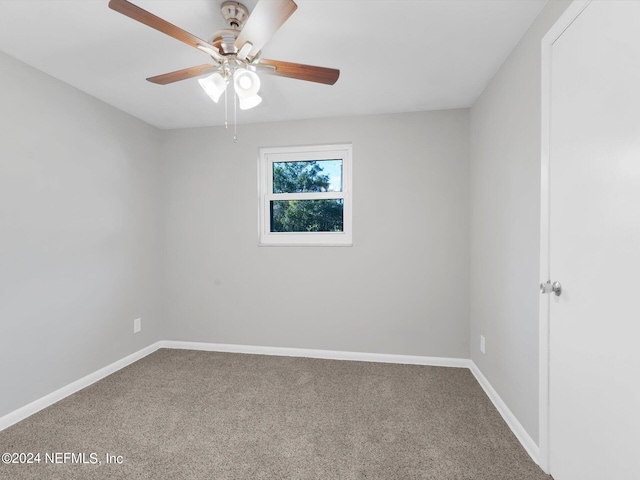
[246,83]
[214,85]
[245,103]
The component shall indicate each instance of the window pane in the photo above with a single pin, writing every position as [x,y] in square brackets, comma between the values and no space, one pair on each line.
[307,176]
[307,215]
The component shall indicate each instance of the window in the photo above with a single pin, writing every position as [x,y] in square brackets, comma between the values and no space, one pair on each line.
[305,195]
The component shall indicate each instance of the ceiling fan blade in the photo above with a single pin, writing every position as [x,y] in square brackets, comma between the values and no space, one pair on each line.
[183,74]
[142,16]
[328,76]
[265,19]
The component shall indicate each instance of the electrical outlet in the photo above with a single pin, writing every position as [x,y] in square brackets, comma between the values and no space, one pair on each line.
[137,325]
[482,343]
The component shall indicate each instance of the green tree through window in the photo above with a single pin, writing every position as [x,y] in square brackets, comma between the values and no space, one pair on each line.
[325,215]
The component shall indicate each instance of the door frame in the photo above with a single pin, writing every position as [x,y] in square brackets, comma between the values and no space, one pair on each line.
[572,12]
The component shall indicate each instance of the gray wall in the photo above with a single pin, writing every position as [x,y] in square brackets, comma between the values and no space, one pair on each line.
[505,224]
[78,226]
[402,288]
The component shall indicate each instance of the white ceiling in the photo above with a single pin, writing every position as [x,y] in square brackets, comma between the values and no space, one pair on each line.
[394,55]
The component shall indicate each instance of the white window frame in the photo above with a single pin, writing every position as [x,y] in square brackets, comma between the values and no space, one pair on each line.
[270,155]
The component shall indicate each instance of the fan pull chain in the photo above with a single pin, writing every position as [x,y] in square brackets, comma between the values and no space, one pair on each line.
[235,119]
[226,124]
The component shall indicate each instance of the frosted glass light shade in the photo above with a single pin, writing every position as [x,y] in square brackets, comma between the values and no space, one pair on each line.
[214,85]
[249,102]
[246,83]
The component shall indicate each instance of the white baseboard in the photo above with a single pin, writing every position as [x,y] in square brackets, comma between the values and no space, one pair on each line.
[43,402]
[325,354]
[516,427]
[518,430]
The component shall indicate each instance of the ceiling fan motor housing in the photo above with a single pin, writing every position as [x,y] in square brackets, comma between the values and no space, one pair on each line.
[235,14]
[225,41]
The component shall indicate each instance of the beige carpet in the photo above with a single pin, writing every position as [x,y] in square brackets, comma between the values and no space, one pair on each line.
[180,414]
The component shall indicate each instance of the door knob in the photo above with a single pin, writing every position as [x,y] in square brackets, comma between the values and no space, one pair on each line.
[549,287]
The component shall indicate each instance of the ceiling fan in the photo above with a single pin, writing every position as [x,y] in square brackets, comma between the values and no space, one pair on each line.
[235,51]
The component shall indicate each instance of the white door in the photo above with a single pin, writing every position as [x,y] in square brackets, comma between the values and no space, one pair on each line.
[594,231]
